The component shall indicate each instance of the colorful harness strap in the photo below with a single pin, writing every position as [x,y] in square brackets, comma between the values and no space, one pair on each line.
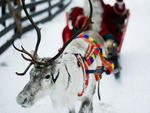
[93,51]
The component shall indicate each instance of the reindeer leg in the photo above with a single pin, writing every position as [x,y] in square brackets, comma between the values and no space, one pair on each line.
[86,106]
[72,111]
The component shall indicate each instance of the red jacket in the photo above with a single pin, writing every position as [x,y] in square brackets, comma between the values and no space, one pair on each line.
[78,20]
[112,21]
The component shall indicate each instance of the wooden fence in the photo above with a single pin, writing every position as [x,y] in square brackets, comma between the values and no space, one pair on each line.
[13,18]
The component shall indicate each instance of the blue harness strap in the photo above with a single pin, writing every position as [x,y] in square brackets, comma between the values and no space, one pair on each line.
[95,71]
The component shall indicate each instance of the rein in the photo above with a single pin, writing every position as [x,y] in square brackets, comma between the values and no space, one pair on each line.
[69,76]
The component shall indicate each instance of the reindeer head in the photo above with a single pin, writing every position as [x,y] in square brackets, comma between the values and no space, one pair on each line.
[42,79]
[45,70]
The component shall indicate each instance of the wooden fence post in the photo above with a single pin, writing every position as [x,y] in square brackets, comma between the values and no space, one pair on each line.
[17,17]
[32,9]
[49,11]
[61,4]
[3,10]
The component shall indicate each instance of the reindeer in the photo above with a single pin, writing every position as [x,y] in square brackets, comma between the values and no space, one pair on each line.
[61,77]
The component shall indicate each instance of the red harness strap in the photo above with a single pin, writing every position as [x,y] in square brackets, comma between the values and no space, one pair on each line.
[85,75]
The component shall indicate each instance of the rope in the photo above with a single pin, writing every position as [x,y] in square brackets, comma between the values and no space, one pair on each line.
[98,91]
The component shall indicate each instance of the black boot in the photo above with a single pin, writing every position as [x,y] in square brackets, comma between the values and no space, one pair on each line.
[114,59]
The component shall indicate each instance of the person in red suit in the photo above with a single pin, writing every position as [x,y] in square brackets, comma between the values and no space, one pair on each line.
[77,19]
[113,20]
[111,26]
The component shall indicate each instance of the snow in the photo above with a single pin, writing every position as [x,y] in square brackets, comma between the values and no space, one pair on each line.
[129,94]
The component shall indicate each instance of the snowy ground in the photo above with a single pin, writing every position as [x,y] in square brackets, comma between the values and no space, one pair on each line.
[129,94]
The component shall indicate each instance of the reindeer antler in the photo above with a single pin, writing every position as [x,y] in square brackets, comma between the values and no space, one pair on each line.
[34,25]
[21,74]
[33,57]
[89,21]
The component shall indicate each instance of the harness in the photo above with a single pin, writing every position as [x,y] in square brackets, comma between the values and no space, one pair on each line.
[94,50]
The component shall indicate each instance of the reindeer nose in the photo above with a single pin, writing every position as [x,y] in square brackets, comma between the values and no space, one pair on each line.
[22,99]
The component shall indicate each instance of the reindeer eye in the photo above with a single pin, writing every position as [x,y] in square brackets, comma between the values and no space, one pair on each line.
[47,76]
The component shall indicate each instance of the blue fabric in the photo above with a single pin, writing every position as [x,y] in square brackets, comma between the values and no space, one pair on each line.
[91,59]
[76,37]
[101,51]
[95,71]
[86,36]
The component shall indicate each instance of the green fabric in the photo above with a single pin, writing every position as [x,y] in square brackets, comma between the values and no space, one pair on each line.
[110,36]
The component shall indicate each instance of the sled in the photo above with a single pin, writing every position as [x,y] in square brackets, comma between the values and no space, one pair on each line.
[124,31]
[67,32]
